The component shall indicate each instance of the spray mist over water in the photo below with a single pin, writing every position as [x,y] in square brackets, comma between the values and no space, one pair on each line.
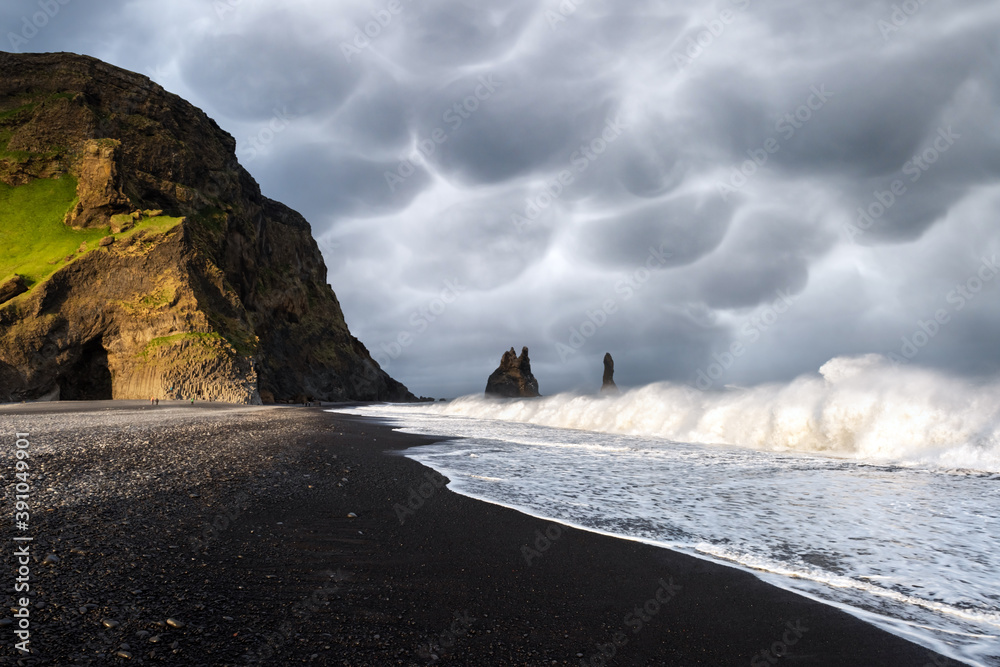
[859,407]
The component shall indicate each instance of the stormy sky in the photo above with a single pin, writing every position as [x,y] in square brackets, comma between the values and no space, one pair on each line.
[717,193]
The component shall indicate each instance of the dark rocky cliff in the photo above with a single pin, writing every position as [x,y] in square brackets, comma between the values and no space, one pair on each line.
[198,287]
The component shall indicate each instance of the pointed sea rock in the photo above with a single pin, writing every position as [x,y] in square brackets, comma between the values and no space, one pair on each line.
[513,379]
[609,386]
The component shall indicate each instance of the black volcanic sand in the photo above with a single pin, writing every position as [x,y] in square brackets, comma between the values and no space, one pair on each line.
[291,577]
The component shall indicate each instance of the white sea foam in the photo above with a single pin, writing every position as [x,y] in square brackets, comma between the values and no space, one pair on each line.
[861,408]
[865,487]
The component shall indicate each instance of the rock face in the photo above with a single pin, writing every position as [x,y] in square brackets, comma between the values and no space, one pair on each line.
[99,187]
[15,286]
[209,290]
[609,386]
[513,379]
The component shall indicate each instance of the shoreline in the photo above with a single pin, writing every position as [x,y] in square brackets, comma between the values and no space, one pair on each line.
[766,577]
[870,618]
[448,579]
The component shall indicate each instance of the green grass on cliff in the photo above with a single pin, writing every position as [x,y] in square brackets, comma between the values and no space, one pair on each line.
[34,242]
[32,232]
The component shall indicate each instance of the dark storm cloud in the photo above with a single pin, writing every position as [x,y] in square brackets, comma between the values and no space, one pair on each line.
[33,26]
[449,34]
[326,184]
[375,117]
[836,161]
[501,123]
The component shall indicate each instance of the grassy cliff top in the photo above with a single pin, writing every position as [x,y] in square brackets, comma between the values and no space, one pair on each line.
[35,240]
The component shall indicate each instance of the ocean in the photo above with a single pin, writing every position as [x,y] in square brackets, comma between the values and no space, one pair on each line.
[872,488]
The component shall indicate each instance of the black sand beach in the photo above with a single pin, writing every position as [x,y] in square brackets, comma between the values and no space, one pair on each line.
[309,561]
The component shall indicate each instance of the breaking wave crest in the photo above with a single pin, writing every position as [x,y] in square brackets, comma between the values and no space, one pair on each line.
[859,407]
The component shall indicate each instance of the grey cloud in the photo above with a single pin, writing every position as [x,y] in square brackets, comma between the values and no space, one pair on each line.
[522,128]
[74,23]
[441,34]
[322,183]
[685,227]
[876,118]
[768,253]
[649,160]
[391,246]
[247,79]
[375,117]
[650,173]
[648,345]
[474,242]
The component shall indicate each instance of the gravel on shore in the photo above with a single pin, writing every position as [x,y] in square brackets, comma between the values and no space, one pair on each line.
[200,535]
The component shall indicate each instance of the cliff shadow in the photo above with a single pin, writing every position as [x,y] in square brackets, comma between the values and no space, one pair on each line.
[89,379]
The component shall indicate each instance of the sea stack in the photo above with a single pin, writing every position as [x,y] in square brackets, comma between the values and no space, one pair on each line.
[513,379]
[170,275]
[609,386]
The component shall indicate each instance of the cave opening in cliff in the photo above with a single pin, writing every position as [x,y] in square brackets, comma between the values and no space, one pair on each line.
[89,379]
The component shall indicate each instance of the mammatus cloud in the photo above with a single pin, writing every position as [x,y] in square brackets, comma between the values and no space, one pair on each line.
[668,181]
